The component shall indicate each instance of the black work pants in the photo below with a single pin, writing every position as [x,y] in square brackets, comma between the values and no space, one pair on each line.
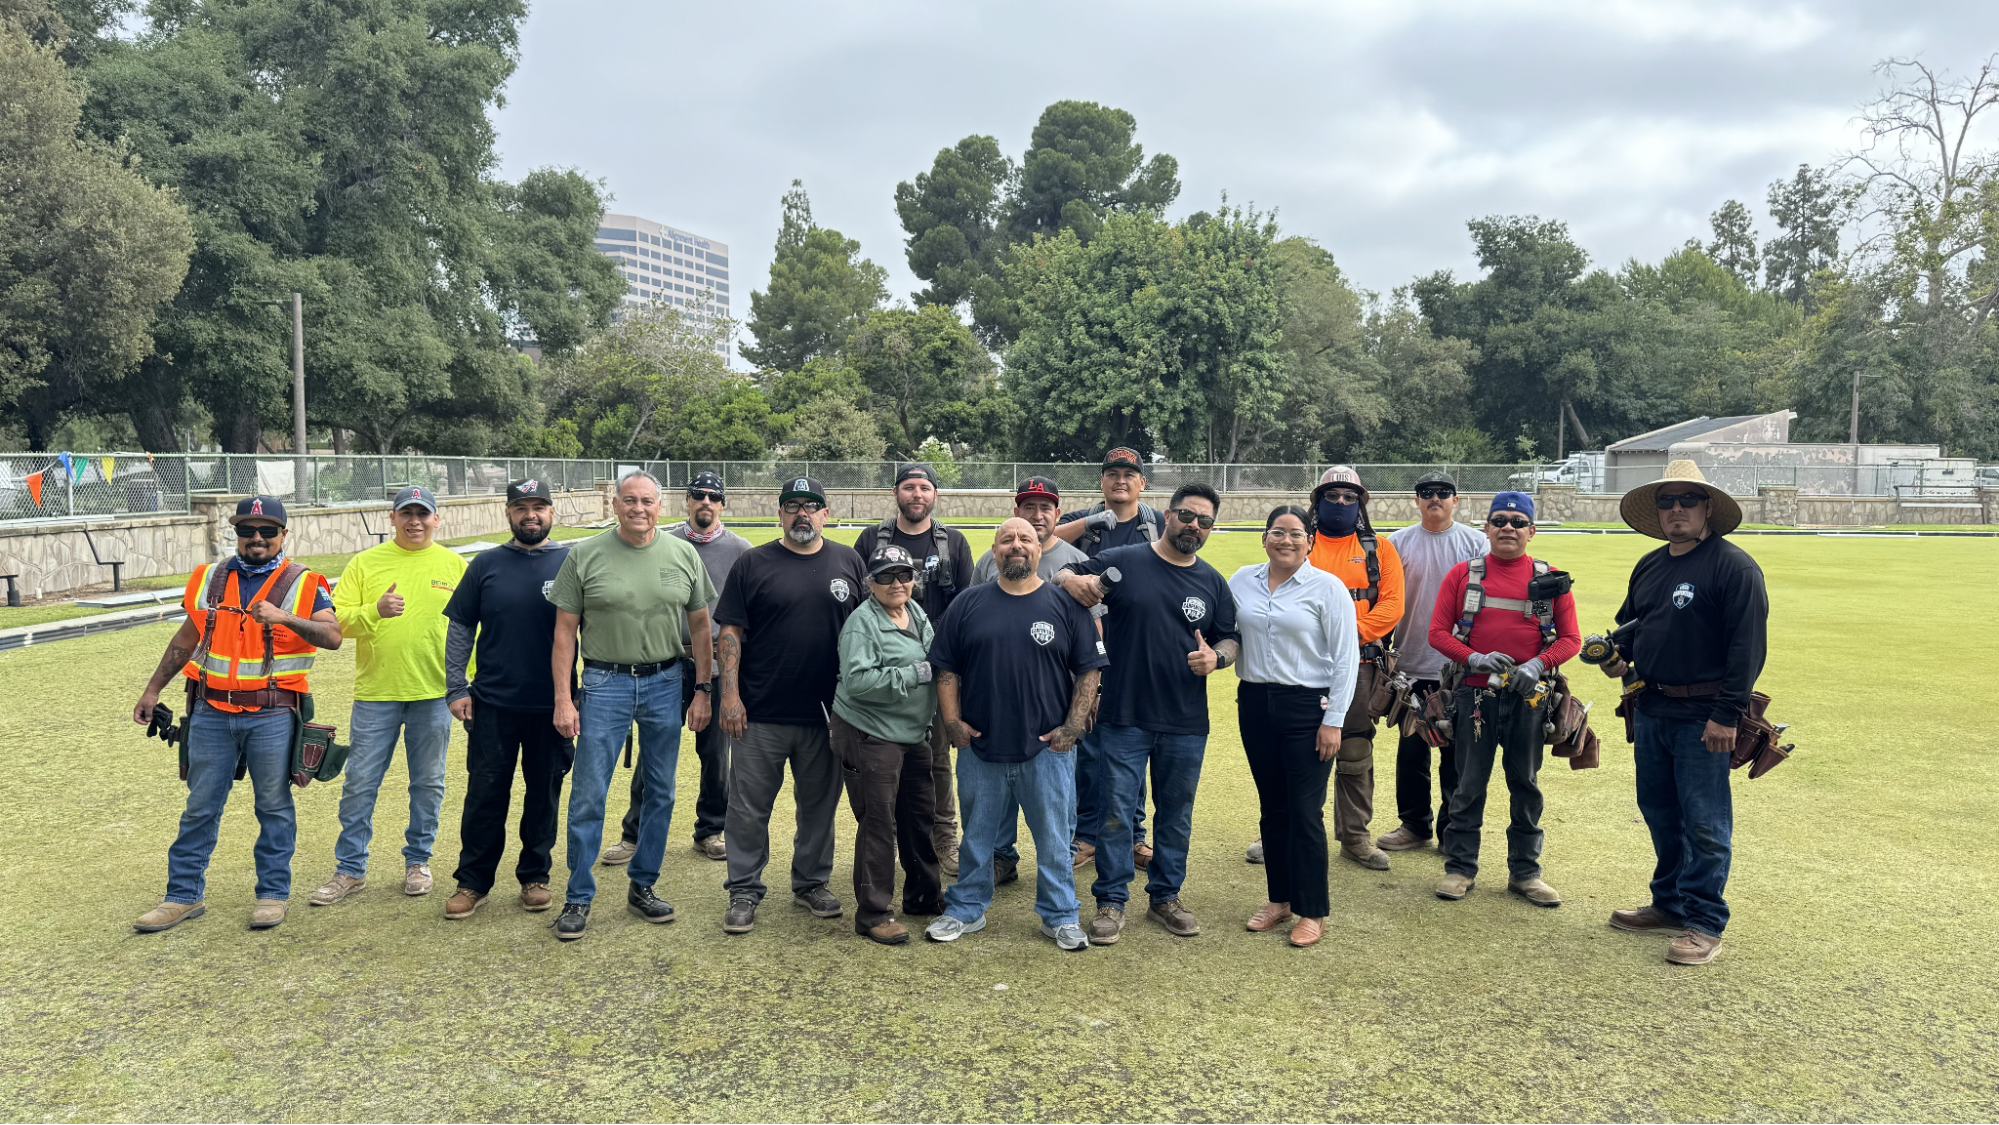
[498,737]
[1412,774]
[890,790]
[1498,724]
[1280,733]
[711,745]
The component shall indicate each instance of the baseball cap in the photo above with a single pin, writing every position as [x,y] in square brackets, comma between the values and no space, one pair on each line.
[259,507]
[1437,476]
[706,482]
[1513,502]
[1037,486]
[1123,457]
[529,488]
[1340,475]
[890,557]
[414,494]
[916,472]
[802,488]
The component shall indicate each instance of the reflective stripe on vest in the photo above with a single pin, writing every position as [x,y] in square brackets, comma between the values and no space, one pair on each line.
[245,668]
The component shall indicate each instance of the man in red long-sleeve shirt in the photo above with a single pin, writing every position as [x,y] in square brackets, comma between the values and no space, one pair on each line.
[1507,655]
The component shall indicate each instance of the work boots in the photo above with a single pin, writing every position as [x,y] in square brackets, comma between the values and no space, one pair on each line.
[167,915]
[268,913]
[1693,948]
[1536,892]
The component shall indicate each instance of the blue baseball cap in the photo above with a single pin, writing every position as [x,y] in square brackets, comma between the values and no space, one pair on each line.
[414,496]
[1513,502]
[259,507]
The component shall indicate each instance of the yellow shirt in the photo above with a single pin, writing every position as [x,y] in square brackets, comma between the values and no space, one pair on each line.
[398,659]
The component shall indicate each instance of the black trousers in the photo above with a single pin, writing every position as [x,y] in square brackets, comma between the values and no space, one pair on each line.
[1412,774]
[711,745]
[498,738]
[1280,731]
[890,789]
[1498,724]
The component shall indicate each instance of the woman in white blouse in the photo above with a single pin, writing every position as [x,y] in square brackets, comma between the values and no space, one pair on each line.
[1300,650]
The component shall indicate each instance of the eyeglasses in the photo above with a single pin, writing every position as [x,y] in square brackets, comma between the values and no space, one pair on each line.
[793,507]
[1284,533]
[703,494]
[893,578]
[1441,493]
[258,531]
[1515,522]
[1189,515]
[1665,501]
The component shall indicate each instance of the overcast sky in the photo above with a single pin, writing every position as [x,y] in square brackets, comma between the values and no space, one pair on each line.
[1376,128]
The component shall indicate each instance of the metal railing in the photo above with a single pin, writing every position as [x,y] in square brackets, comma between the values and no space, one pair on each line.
[70,485]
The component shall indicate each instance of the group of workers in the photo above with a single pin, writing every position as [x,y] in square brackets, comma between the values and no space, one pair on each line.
[1066,667]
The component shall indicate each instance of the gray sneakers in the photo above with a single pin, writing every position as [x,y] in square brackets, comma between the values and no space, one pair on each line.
[947,928]
[1068,936]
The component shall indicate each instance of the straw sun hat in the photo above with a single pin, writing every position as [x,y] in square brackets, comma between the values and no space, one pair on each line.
[1642,514]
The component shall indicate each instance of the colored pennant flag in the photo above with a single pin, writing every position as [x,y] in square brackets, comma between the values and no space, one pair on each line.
[106,463]
[35,487]
[64,458]
[77,467]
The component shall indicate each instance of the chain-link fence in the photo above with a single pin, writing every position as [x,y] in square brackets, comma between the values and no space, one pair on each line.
[66,485]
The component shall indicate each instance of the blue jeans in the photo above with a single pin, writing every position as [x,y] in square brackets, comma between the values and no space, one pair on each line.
[1091,786]
[425,727]
[215,739]
[1175,761]
[989,797]
[610,704]
[1684,796]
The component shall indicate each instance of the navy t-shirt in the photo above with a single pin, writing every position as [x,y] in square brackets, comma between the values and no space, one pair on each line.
[1155,612]
[1125,534]
[1017,657]
[791,608]
[504,595]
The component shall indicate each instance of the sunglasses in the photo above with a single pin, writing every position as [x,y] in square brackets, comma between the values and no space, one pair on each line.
[1436,493]
[1342,496]
[1188,515]
[258,531]
[793,507]
[703,494]
[893,577]
[1665,501]
[1516,522]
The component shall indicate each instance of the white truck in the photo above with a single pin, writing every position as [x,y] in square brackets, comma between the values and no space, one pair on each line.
[1583,470]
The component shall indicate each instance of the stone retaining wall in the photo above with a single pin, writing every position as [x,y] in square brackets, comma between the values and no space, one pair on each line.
[54,558]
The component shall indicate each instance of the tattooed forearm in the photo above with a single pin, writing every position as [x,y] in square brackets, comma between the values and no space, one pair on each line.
[1081,702]
[170,664]
[317,633]
[1226,653]
[731,653]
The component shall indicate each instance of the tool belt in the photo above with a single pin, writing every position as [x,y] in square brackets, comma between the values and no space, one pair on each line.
[265,697]
[1383,692]
[1756,739]
[1566,727]
[1691,691]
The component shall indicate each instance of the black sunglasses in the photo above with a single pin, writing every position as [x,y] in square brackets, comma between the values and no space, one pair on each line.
[258,531]
[703,494]
[1189,515]
[1437,493]
[892,577]
[1512,521]
[1665,501]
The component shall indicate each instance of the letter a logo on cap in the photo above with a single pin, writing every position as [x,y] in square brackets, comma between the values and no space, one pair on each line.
[530,486]
[256,507]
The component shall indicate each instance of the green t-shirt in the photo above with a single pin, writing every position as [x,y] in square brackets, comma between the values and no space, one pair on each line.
[397,659]
[632,598]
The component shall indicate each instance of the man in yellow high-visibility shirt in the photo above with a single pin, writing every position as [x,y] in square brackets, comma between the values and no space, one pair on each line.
[391,600]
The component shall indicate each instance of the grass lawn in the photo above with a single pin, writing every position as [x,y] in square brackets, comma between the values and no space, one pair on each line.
[1856,982]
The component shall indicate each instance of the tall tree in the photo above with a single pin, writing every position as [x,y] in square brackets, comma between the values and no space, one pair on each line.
[89,251]
[820,291]
[1081,166]
[1733,246]
[1807,209]
[954,215]
[916,367]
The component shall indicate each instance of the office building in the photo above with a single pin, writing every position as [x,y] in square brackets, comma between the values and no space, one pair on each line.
[672,266]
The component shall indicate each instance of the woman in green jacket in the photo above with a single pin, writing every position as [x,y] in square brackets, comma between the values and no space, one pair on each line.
[882,712]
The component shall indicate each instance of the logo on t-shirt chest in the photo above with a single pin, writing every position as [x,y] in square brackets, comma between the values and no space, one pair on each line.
[840,590]
[1194,608]
[1683,595]
[1042,632]
[548,588]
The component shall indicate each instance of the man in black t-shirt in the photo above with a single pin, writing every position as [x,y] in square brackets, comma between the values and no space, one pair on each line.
[1171,624]
[502,606]
[1017,664]
[946,572]
[781,614]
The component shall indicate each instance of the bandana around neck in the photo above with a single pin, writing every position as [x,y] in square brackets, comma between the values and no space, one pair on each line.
[703,536]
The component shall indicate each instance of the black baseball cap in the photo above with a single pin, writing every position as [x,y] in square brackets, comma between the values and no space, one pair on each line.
[916,472]
[1123,457]
[529,488]
[706,482]
[1037,486]
[1437,476]
[802,488]
[259,507]
[890,557]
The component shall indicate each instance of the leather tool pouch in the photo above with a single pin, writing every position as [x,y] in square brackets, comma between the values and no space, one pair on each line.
[1627,709]
[1567,729]
[1381,696]
[1756,739]
[1435,724]
[316,756]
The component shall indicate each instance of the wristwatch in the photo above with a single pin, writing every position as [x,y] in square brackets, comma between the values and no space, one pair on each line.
[707,686]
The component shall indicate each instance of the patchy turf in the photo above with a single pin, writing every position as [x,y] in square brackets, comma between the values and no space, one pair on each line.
[1856,982]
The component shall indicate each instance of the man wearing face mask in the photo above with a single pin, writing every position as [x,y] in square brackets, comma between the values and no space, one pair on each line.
[1346,547]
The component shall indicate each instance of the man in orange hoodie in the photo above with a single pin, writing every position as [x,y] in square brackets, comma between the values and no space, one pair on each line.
[1345,546]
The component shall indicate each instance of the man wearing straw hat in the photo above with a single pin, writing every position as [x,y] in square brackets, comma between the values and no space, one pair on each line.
[1697,615]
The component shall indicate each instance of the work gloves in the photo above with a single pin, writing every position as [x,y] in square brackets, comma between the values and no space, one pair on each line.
[1105,520]
[1491,663]
[1526,678]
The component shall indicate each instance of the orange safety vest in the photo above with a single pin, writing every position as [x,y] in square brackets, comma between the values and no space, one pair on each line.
[232,654]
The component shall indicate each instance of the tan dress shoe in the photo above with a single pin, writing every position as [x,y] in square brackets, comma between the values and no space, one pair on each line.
[535,898]
[337,888]
[416,879]
[1269,916]
[1693,948]
[1308,931]
[268,913]
[167,915]
[463,902]
[1536,892]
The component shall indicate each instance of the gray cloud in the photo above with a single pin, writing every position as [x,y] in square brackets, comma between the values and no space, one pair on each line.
[1376,128]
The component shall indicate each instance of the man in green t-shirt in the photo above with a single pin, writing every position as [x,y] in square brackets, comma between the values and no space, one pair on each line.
[390,600]
[625,592]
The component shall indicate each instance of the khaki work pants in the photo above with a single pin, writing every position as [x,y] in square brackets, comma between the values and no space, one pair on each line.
[1353,771]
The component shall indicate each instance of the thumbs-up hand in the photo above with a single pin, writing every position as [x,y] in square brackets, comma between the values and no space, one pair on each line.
[391,603]
[1202,660]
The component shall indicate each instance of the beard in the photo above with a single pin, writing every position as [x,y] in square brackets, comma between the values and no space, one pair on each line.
[702,520]
[530,536]
[1015,568]
[914,512]
[801,532]
[1186,542]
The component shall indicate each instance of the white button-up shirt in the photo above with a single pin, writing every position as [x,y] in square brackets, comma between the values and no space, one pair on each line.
[1304,633]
